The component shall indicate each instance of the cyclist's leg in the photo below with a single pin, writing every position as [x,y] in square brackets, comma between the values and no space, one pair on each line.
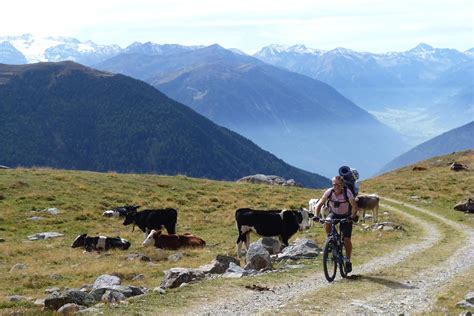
[327,226]
[347,233]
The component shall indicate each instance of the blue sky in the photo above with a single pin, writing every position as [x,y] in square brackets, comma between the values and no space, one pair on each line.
[365,25]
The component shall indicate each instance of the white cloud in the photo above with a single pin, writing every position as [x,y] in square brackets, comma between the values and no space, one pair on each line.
[370,25]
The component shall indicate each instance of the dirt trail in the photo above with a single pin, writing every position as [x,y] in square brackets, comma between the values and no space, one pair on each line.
[420,291]
[415,295]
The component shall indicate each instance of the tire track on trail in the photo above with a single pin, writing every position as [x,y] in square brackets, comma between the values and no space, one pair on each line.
[250,302]
[420,295]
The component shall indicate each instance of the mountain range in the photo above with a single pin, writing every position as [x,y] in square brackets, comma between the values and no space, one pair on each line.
[404,90]
[304,121]
[412,90]
[458,139]
[420,93]
[65,115]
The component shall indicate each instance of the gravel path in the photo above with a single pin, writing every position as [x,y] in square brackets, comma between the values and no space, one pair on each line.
[415,295]
[420,291]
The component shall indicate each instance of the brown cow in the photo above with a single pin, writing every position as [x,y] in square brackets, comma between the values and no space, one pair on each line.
[418,168]
[172,242]
[368,203]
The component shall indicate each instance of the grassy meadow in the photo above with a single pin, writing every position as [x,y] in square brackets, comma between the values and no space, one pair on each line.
[205,208]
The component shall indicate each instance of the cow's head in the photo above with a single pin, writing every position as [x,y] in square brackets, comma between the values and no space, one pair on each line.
[130,217]
[307,219]
[120,211]
[79,241]
[150,239]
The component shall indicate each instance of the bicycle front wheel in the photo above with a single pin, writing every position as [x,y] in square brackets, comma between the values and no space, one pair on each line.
[329,260]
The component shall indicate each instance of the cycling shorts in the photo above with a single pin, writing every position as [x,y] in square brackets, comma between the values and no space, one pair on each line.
[346,227]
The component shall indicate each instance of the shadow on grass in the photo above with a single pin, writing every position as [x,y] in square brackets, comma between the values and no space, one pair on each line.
[386,282]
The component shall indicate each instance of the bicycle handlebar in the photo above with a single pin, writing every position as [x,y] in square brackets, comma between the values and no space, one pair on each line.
[335,220]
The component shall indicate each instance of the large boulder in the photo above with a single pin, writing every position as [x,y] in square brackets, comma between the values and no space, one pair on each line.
[272,245]
[57,300]
[257,258]
[269,179]
[301,248]
[219,265]
[106,281]
[176,276]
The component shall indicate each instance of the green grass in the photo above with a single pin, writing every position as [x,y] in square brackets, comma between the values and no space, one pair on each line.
[205,208]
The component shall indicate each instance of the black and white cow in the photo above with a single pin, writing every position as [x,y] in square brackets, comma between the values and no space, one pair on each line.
[283,224]
[147,220]
[120,211]
[100,243]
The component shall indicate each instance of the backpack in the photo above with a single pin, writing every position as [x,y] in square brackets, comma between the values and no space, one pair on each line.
[349,180]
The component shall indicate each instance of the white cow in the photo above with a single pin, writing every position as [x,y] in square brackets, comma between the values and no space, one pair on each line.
[313,204]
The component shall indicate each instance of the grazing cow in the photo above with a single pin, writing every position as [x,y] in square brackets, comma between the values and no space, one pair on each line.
[313,204]
[147,220]
[418,168]
[455,166]
[100,243]
[369,203]
[172,242]
[283,224]
[120,211]
[467,207]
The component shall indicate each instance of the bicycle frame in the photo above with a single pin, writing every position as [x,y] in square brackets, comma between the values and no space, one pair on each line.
[333,249]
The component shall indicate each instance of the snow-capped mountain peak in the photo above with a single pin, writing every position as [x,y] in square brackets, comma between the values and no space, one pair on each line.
[58,48]
[422,47]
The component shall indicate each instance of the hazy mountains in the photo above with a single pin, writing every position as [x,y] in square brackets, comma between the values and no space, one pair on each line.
[458,139]
[302,120]
[412,90]
[11,55]
[69,116]
[32,49]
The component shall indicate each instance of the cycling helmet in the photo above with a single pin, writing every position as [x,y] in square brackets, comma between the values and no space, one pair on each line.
[355,174]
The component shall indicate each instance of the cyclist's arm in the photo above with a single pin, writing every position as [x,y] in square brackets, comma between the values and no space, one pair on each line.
[321,202]
[355,210]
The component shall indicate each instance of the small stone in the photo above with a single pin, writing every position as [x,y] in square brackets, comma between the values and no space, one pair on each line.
[159,290]
[18,266]
[139,277]
[39,302]
[52,290]
[16,298]
[69,309]
[175,257]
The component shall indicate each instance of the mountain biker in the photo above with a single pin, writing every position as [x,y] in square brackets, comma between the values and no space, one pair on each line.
[341,204]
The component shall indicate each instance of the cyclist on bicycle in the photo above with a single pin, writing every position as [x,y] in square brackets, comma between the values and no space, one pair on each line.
[341,204]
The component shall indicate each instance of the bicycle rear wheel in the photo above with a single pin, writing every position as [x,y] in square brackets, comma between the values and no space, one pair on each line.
[329,260]
[341,261]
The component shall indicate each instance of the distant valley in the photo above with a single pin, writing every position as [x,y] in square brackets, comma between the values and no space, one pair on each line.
[420,93]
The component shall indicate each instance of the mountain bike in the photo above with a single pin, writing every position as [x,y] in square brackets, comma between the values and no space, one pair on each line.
[334,253]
